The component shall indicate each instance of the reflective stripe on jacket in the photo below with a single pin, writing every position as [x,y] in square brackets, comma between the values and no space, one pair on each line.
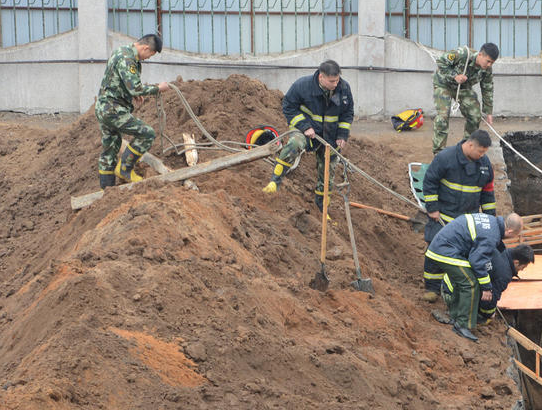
[305,106]
[469,241]
[454,185]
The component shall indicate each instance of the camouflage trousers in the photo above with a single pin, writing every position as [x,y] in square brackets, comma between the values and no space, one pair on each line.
[469,107]
[293,148]
[113,123]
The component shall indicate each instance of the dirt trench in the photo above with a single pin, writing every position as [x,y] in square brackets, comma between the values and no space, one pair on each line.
[165,297]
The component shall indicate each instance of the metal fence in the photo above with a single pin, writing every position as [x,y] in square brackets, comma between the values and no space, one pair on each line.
[514,25]
[24,21]
[230,27]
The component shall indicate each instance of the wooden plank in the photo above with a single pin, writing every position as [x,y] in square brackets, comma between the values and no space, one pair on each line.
[524,340]
[528,372]
[521,295]
[217,164]
[153,161]
[535,241]
[192,154]
[533,271]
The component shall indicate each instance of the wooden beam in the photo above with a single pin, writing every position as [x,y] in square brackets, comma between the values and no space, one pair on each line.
[524,340]
[528,372]
[217,164]
[154,162]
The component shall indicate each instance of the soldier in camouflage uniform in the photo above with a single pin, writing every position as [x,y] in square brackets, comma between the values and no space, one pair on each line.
[121,87]
[319,104]
[449,76]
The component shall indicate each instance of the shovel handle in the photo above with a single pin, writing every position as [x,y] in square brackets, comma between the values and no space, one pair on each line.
[324,207]
[381,211]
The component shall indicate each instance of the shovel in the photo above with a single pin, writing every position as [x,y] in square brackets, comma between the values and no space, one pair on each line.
[416,223]
[321,280]
[360,284]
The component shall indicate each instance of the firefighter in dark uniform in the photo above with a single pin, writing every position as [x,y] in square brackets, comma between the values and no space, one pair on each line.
[319,104]
[504,266]
[463,250]
[458,181]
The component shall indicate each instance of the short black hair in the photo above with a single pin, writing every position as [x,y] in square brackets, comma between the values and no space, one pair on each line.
[481,138]
[153,41]
[330,68]
[524,254]
[490,50]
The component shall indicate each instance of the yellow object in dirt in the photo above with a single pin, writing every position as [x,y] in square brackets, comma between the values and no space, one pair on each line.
[271,188]
[430,297]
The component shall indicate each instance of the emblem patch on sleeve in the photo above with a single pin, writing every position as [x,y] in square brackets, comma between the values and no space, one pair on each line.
[451,56]
[133,69]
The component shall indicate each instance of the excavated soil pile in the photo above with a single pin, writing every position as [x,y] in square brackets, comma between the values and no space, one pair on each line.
[165,297]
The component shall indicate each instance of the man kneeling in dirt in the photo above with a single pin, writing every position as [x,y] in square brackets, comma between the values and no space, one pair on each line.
[463,249]
[504,266]
[121,85]
[319,104]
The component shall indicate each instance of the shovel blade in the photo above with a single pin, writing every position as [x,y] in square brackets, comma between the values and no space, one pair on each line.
[320,281]
[363,285]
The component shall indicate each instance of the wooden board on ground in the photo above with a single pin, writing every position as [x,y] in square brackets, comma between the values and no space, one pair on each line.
[186,173]
[533,271]
[522,295]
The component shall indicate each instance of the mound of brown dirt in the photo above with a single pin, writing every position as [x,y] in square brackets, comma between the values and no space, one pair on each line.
[164,297]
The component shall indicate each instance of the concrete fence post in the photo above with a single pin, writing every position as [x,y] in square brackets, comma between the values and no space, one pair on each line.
[371,31]
[93,45]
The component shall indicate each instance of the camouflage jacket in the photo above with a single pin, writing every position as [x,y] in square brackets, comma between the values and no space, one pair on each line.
[453,63]
[122,80]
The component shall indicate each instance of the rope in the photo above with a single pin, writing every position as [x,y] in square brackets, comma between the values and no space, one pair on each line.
[511,147]
[502,317]
[222,145]
[367,176]
[456,105]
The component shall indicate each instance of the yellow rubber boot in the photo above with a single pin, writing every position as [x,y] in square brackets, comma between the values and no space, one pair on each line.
[125,167]
[270,188]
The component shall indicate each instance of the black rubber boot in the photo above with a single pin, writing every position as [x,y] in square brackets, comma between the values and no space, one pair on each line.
[125,167]
[107,180]
[319,201]
[464,332]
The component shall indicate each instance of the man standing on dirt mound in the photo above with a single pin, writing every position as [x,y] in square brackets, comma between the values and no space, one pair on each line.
[458,181]
[463,249]
[121,86]
[319,104]
[463,68]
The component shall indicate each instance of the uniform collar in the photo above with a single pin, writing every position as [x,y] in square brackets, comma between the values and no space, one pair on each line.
[510,262]
[134,50]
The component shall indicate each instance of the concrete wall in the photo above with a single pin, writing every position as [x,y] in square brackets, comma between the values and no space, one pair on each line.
[35,87]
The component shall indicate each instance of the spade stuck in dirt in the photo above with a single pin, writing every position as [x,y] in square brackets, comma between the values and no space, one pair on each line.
[321,279]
